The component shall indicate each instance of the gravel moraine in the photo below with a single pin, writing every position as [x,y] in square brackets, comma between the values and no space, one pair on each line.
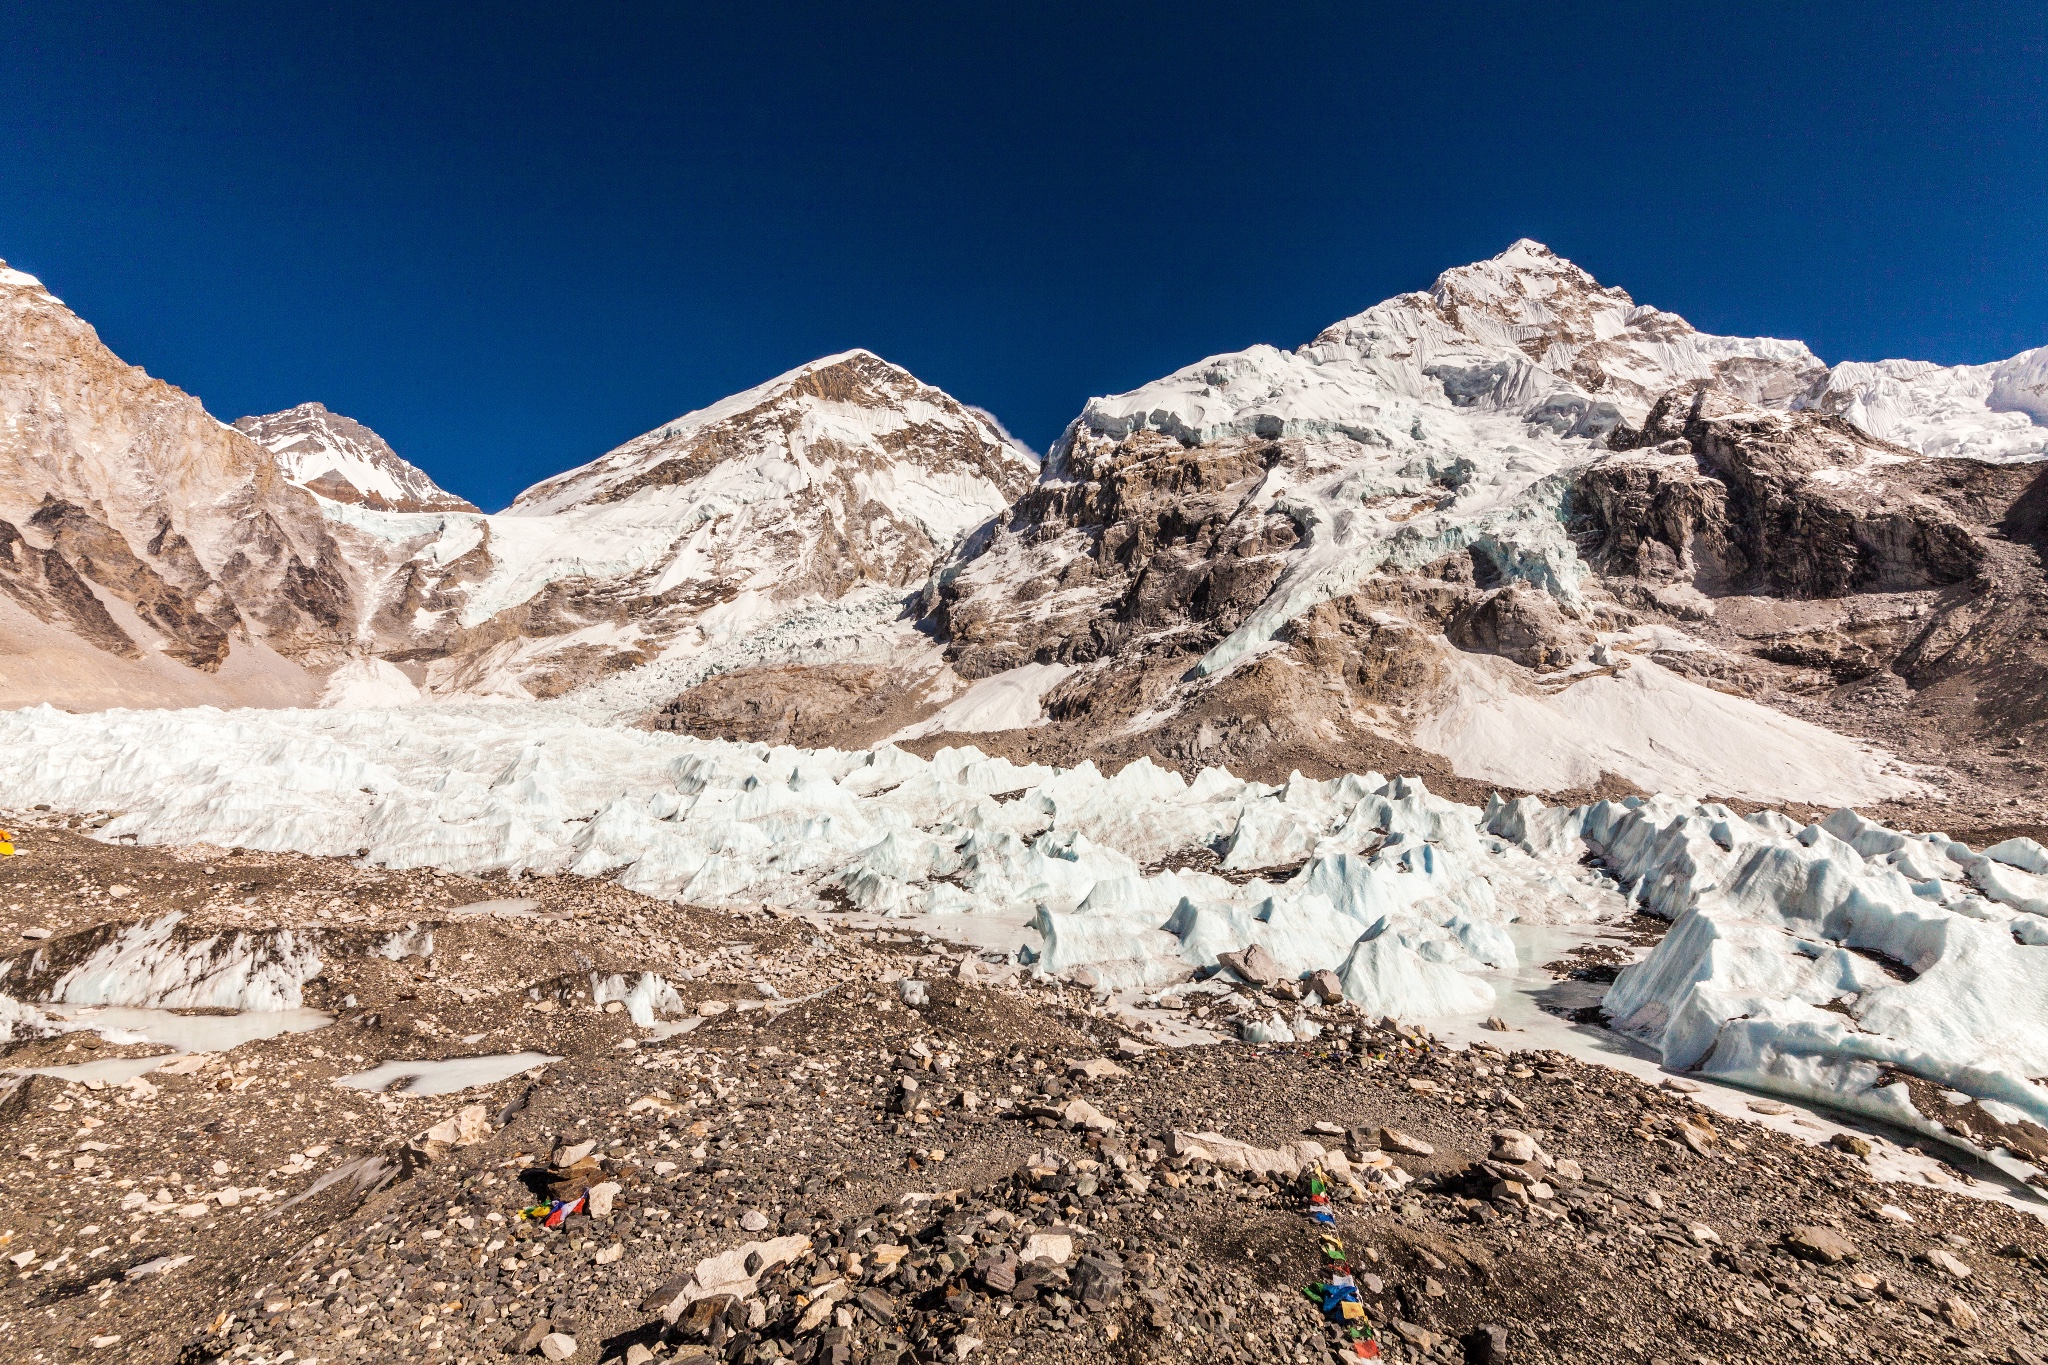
[802,1166]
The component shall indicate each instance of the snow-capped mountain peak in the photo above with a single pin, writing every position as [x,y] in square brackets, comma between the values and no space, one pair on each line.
[344,461]
[850,406]
[845,477]
[1525,333]
[1530,304]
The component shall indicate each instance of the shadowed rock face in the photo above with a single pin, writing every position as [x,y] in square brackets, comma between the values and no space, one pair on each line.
[171,591]
[46,584]
[1142,543]
[1739,499]
[1524,624]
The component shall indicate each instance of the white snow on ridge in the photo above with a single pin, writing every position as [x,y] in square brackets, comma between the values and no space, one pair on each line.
[819,422]
[315,447]
[19,279]
[1996,412]
[1773,975]
[1467,343]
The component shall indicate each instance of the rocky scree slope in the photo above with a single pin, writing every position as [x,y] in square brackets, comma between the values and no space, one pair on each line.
[148,554]
[341,459]
[1518,494]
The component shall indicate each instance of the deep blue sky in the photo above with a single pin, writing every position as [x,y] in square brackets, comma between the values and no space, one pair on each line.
[510,237]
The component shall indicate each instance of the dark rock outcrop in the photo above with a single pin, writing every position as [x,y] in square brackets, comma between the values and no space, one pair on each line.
[1522,623]
[1140,538]
[1735,498]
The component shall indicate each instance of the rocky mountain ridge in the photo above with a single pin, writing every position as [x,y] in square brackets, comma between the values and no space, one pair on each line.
[1517,530]
[846,478]
[148,554]
[154,556]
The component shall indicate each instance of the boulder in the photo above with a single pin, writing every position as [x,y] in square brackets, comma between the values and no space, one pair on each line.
[1824,1245]
[1253,965]
[1394,1140]
[1095,1068]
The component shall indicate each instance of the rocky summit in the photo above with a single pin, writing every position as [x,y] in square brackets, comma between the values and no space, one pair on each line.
[344,461]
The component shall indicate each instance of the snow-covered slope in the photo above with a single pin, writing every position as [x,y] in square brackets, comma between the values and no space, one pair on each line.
[833,420]
[1526,335]
[1475,330]
[148,554]
[340,458]
[843,476]
[1986,412]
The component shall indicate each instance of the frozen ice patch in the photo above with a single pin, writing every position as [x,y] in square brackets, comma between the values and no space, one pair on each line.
[446,1076]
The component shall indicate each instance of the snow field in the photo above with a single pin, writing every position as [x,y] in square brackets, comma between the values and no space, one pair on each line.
[1995,412]
[1639,720]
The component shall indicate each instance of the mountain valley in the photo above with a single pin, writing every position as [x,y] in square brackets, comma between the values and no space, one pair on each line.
[1516,830]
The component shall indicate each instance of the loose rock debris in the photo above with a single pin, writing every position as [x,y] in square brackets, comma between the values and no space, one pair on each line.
[823,1171]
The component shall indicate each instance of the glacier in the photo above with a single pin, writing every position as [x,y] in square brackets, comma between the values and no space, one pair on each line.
[1837,961]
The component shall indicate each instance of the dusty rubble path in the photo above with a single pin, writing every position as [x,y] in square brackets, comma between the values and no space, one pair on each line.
[992,1173]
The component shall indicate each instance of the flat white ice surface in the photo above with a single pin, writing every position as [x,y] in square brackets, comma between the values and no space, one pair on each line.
[189,1032]
[1005,701]
[1651,726]
[445,1077]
